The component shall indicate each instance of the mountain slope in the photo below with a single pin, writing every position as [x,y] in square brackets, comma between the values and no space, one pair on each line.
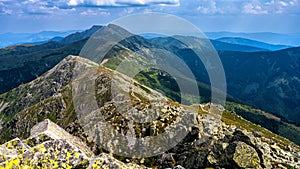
[80,35]
[229,142]
[268,80]
[162,81]
[18,67]
[23,63]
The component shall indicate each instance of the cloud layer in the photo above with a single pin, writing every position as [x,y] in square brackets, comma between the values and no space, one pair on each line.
[266,7]
[190,7]
[119,3]
[245,15]
[245,7]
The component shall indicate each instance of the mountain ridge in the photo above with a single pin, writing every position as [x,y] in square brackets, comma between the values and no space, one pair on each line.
[30,61]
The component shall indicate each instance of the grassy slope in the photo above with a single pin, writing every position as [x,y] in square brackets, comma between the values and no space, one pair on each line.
[168,86]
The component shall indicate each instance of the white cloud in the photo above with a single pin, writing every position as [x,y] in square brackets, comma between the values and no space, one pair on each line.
[258,7]
[95,12]
[92,2]
[271,6]
[203,9]
[283,3]
[7,11]
[187,7]
[88,12]
[293,2]
[209,7]
[254,9]
[120,2]
[75,2]
[281,6]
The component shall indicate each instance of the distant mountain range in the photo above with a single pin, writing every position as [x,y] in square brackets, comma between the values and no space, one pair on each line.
[266,37]
[252,43]
[223,45]
[249,42]
[8,39]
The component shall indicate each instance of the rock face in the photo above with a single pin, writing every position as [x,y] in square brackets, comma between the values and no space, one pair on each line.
[50,146]
[245,156]
[231,147]
[51,130]
[211,141]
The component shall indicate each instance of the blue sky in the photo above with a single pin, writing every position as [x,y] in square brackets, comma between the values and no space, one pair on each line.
[281,16]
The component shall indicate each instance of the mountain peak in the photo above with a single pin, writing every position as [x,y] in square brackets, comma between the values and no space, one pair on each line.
[117,30]
[96,27]
[80,35]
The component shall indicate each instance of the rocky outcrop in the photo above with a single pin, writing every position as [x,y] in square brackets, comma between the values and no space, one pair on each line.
[51,147]
[51,130]
[230,147]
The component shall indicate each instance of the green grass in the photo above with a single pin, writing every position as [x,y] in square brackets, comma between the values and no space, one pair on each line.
[282,128]
[232,119]
[288,166]
[113,63]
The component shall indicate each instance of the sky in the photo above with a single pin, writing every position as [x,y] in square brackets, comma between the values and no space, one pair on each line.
[278,16]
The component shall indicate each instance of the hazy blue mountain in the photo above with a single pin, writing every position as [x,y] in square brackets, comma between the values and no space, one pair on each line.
[253,43]
[8,39]
[225,46]
[57,39]
[151,35]
[267,37]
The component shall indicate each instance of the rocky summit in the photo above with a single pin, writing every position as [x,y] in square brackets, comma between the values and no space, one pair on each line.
[43,126]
